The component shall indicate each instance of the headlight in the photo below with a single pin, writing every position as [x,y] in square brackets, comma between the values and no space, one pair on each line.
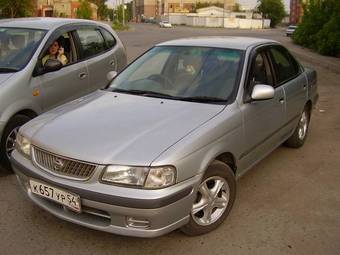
[148,177]
[23,145]
[160,177]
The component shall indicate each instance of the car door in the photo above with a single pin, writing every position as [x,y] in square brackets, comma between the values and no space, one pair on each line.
[98,51]
[289,75]
[66,84]
[262,119]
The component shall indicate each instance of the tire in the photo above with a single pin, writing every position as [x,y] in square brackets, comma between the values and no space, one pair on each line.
[299,136]
[216,174]
[9,137]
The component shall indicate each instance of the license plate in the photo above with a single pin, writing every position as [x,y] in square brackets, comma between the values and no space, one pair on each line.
[72,201]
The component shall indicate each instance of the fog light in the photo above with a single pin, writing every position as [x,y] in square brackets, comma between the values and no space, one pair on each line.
[137,222]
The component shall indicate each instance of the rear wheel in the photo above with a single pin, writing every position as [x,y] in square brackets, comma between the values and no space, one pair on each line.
[299,136]
[214,200]
[9,137]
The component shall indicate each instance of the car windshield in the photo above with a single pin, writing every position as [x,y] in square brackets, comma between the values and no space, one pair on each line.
[17,46]
[200,74]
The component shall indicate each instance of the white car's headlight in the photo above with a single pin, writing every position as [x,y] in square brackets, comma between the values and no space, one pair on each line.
[147,177]
[23,145]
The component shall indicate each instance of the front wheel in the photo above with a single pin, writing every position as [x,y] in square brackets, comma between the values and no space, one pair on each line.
[214,200]
[9,138]
[299,136]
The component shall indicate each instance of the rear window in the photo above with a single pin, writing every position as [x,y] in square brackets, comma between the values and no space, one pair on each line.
[109,39]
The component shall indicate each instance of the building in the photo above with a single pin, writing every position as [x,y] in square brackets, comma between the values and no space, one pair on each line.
[157,8]
[62,8]
[214,16]
[296,10]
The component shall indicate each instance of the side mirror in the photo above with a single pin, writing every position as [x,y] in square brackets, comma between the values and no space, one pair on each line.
[52,65]
[262,92]
[111,75]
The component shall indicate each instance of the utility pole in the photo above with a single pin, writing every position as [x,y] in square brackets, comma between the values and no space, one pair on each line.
[224,14]
[123,13]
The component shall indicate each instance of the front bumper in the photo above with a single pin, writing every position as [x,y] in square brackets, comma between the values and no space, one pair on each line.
[111,208]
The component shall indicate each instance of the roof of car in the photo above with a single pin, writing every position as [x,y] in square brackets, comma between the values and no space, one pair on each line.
[41,22]
[229,42]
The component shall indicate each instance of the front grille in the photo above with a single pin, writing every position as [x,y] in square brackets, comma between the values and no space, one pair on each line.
[62,166]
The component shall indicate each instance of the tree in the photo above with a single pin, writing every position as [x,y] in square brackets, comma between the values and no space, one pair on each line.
[273,10]
[84,11]
[320,27]
[127,12]
[103,11]
[237,7]
[16,8]
[200,5]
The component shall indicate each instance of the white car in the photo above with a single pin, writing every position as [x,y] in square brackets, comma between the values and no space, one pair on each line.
[290,30]
[165,24]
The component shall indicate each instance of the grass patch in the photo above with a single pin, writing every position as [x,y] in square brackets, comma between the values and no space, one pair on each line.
[117,26]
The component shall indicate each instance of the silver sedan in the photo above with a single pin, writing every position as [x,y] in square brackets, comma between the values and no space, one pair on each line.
[162,146]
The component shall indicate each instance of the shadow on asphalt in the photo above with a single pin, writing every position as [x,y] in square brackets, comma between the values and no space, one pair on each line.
[5,172]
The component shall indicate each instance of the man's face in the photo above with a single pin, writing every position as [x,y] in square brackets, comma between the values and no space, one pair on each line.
[54,48]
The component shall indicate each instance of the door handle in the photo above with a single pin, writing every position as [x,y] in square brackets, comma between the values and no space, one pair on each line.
[112,62]
[304,86]
[282,100]
[82,75]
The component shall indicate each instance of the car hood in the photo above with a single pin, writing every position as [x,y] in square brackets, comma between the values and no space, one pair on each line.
[4,77]
[116,128]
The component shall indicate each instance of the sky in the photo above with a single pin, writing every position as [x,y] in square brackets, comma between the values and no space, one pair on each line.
[250,3]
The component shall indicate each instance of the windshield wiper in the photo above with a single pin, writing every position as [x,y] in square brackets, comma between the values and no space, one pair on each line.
[8,69]
[144,93]
[204,99]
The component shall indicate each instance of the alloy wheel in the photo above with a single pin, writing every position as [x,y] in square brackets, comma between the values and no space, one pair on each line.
[10,141]
[211,202]
[303,125]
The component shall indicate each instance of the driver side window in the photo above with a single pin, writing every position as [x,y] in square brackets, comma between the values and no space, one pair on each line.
[260,72]
[62,49]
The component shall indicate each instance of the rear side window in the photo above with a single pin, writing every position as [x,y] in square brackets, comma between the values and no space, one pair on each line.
[285,66]
[109,39]
[92,41]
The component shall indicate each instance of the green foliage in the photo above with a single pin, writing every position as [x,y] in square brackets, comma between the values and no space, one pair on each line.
[273,10]
[103,11]
[117,26]
[127,13]
[84,11]
[200,5]
[320,27]
[16,8]
[237,7]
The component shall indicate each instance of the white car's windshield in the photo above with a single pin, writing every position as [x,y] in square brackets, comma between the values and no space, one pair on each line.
[182,73]
[17,46]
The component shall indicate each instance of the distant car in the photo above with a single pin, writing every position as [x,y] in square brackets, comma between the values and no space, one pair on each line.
[162,146]
[165,24]
[151,20]
[29,85]
[290,30]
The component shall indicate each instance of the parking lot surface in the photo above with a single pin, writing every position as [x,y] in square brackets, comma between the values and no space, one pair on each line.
[287,204]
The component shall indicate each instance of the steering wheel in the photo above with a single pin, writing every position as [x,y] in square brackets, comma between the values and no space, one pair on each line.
[161,79]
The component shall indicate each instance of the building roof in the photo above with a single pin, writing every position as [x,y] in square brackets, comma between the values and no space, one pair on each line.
[241,43]
[40,22]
